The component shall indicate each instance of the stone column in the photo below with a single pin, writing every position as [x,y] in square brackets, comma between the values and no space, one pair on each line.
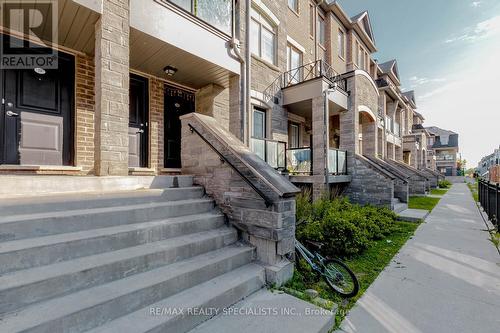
[319,144]
[399,154]
[370,138]
[213,100]
[235,124]
[112,33]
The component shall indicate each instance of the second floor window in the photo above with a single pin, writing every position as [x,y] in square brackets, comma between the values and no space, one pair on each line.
[263,37]
[294,137]
[293,5]
[311,20]
[321,30]
[293,62]
[341,42]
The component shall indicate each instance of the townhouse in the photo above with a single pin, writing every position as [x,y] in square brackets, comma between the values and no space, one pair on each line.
[445,149]
[160,110]
[487,165]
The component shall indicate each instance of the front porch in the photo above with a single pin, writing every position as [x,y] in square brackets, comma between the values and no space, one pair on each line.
[314,97]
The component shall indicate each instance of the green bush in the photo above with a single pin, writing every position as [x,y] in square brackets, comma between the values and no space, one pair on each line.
[344,228]
[444,184]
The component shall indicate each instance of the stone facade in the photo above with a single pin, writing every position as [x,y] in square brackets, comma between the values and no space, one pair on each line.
[112,89]
[370,184]
[219,164]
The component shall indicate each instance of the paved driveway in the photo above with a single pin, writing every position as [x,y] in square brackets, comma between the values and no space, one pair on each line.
[445,279]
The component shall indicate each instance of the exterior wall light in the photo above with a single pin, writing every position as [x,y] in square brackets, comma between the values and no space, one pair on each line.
[170,71]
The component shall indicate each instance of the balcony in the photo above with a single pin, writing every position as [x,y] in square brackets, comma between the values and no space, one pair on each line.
[305,73]
[271,151]
[217,13]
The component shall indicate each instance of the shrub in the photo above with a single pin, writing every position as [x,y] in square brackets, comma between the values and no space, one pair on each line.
[444,184]
[344,228]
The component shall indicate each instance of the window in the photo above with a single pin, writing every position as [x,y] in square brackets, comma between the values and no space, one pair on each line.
[263,37]
[341,42]
[293,138]
[360,57]
[258,145]
[321,30]
[259,123]
[293,5]
[293,62]
[311,20]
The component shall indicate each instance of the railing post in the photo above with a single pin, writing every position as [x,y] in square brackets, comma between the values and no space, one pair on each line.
[497,210]
[488,199]
[337,163]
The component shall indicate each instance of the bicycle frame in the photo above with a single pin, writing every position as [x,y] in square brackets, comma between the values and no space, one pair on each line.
[309,256]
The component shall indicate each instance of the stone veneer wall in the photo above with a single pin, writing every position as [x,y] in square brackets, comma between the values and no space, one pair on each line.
[369,184]
[112,33]
[270,229]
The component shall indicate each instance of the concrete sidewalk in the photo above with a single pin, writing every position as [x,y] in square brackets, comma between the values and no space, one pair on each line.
[445,279]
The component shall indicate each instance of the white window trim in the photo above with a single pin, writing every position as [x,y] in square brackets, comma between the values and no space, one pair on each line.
[343,46]
[265,10]
[295,44]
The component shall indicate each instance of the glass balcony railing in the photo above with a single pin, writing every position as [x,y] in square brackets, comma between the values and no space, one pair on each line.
[337,162]
[273,152]
[217,13]
[299,161]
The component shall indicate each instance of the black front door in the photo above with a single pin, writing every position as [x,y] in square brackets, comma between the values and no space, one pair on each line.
[177,103]
[36,115]
[138,121]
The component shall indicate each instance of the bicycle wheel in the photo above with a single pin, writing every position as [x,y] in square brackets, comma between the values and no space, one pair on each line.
[340,278]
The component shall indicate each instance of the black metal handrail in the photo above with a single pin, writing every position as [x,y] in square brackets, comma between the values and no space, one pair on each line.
[489,198]
[267,200]
[306,72]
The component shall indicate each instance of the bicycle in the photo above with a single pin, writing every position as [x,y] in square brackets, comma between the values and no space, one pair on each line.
[336,274]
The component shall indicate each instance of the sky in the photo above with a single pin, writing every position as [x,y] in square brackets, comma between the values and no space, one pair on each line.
[448,51]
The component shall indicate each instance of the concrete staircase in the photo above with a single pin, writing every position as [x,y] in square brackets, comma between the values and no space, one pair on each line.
[107,261]
[399,206]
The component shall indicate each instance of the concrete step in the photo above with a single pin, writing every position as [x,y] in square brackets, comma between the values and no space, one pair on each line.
[398,208]
[25,287]
[51,223]
[56,248]
[217,293]
[306,317]
[92,307]
[413,215]
[36,185]
[87,200]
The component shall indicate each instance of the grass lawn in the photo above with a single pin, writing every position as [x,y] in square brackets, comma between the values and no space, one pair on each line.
[426,203]
[439,191]
[474,189]
[367,266]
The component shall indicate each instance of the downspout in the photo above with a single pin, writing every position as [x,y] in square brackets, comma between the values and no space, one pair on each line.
[248,63]
[325,138]
[234,44]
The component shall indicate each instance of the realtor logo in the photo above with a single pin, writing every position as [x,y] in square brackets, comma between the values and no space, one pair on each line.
[29,29]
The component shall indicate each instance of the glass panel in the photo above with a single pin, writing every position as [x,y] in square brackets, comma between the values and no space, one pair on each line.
[293,4]
[259,125]
[342,162]
[272,154]
[185,4]
[321,30]
[281,155]
[258,146]
[215,12]
[267,45]
[332,161]
[254,37]
[341,44]
[299,161]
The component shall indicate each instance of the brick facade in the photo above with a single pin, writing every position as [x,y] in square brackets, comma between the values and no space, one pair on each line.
[85,108]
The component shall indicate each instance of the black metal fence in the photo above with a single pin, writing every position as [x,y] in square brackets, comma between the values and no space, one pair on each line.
[489,198]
